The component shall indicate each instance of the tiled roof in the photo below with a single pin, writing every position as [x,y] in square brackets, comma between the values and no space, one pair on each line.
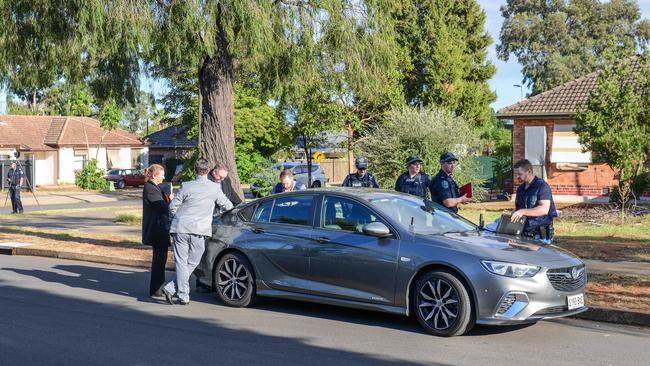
[48,133]
[561,100]
[171,137]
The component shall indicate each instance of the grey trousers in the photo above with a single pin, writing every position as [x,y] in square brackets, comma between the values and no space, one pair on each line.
[188,250]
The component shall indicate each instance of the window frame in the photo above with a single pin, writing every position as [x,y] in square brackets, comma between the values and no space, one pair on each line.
[321,211]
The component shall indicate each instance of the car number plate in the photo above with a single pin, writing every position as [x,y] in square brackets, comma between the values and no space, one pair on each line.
[575,301]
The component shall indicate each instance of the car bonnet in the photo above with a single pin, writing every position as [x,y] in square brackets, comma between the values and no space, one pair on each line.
[505,248]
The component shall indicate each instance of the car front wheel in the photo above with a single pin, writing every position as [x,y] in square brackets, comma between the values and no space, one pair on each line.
[234,282]
[442,304]
[316,184]
[121,184]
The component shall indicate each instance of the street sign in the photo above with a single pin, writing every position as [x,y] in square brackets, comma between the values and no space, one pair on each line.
[318,156]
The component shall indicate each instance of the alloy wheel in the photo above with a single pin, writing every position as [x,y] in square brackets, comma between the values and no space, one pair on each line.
[438,304]
[233,279]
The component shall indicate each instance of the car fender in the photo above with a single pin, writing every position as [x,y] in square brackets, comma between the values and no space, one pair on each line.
[431,265]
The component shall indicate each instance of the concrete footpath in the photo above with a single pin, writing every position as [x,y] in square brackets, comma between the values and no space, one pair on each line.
[63,199]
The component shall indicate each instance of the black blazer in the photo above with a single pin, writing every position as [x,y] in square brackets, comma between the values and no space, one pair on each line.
[155,216]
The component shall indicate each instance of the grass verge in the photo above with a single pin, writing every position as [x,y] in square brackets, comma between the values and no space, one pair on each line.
[617,291]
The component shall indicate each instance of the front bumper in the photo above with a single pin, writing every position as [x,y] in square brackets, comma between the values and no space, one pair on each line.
[503,300]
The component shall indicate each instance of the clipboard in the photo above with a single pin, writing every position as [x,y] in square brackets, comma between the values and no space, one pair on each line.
[466,189]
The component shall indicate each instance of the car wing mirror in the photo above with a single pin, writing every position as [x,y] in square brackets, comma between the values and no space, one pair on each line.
[377,229]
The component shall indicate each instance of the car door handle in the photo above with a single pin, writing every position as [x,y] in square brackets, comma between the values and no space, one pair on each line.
[323,239]
[258,231]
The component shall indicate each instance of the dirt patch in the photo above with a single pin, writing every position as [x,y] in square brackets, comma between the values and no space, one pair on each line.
[606,249]
[71,242]
[622,292]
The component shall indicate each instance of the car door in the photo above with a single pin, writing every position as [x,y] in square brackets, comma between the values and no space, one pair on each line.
[346,263]
[279,241]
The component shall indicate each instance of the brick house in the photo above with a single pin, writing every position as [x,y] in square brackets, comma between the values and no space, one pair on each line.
[58,146]
[543,133]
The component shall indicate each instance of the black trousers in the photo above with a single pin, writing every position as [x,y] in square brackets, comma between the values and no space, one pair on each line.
[158,262]
[16,203]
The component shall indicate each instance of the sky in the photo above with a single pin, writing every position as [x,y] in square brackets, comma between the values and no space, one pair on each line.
[508,73]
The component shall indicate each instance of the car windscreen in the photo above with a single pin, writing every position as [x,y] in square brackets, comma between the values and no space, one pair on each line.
[427,217]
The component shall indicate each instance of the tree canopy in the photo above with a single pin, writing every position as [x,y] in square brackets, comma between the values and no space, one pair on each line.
[445,47]
[558,41]
[615,122]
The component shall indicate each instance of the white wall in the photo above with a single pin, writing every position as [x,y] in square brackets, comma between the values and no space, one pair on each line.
[66,165]
[45,166]
[144,157]
[101,157]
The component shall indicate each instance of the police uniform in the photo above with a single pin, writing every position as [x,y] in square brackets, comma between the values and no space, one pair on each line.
[367,181]
[416,185]
[529,198]
[14,176]
[444,187]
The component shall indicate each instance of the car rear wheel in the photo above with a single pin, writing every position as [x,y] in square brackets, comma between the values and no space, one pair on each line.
[121,184]
[234,280]
[442,304]
[316,184]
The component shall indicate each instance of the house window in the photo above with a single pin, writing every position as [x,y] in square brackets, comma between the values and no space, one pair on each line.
[535,149]
[566,148]
[79,162]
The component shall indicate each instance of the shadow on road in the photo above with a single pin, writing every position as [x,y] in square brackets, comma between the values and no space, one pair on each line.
[135,284]
[44,328]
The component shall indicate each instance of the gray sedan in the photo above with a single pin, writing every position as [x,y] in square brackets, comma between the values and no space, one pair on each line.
[391,252]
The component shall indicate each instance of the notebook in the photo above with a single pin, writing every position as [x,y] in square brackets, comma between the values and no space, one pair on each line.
[466,189]
[511,228]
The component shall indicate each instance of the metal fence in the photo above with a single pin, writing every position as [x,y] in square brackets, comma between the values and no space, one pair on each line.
[28,169]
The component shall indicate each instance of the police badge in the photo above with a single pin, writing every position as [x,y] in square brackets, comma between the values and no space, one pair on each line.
[445,184]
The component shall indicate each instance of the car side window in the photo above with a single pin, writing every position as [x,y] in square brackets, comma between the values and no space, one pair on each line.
[299,169]
[314,168]
[263,211]
[294,210]
[247,212]
[343,214]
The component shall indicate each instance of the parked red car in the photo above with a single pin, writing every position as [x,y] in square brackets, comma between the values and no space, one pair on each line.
[126,177]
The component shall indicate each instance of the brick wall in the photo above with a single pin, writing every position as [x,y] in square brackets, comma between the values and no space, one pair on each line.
[590,182]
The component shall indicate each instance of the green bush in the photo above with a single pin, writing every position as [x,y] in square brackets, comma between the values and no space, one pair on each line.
[426,133]
[91,177]
[265,178]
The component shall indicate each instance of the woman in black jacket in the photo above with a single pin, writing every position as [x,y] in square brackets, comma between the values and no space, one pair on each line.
[155,225]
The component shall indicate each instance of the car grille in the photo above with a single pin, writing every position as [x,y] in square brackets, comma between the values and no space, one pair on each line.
[506,303]
[568,279]
[552,310]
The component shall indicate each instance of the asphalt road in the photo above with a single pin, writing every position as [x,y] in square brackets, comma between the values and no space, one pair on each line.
[60,312]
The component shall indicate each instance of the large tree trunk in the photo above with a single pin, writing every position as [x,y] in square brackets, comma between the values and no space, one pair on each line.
[217,127]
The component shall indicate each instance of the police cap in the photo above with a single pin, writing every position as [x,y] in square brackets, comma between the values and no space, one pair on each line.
[361,163]
[412,159]
[447,157]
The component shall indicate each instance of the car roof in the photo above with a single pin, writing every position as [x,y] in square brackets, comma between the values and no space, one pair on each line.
[367,194]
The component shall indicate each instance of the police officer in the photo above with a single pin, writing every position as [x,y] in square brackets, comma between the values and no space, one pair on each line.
[413,181]
[15,180]
[361,178]
[534,203]
[445,190]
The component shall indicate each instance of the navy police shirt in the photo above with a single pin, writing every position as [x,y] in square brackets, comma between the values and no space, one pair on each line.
[529,198]
[444,187]
[367,181]
[14,176]
[416,185]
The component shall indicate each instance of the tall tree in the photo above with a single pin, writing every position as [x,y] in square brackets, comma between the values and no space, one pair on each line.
[445,47]
[277,41]
[615,122]
[558,41]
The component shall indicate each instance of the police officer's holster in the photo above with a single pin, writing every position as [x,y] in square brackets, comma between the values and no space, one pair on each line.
[544,232]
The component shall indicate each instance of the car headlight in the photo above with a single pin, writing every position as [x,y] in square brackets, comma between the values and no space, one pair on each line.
[510,269]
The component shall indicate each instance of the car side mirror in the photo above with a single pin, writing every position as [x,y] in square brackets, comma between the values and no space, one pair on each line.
[377,229]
